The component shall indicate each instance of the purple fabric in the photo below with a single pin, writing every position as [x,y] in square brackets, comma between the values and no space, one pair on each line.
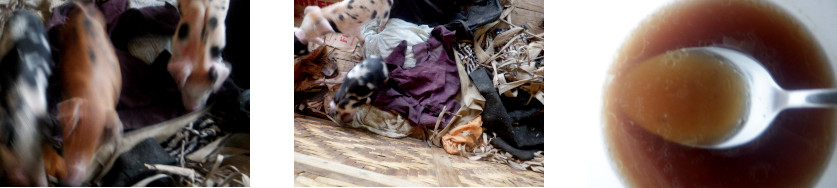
[149,94]
[420,93]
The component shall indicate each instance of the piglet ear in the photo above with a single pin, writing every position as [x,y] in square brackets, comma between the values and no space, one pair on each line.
[219,71]
[69,112]
[180,71]
[310,9]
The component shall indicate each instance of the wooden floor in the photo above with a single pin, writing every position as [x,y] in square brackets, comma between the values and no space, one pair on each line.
[529,13]
[327,155]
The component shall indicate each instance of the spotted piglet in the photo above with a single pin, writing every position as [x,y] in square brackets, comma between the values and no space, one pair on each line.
[24,70]
[360,84]
[345,17]
[196,64]
[91,81]
[313,25]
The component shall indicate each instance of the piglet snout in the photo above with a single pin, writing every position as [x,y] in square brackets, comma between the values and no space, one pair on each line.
[192,104]
[75,175]
[342,116]
[332,109]
[345,117]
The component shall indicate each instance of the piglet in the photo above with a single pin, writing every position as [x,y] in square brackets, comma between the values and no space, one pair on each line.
[196,64]
[91,81]
[313,25]
[360,84]
[24,70]
[347,17]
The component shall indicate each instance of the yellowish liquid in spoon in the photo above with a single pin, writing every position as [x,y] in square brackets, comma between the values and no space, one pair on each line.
[688,98]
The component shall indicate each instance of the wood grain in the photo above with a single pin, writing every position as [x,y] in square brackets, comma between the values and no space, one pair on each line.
[347,173]
[445,173]
[533,5]
[529,13]
[406,158]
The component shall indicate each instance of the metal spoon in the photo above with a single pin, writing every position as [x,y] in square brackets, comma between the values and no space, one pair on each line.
[766,98]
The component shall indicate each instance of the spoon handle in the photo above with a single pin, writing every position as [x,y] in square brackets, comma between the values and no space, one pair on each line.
[812,98]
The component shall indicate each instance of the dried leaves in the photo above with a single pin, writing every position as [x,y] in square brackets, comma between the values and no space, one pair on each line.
[216,169]
[511,53]
[192,137]
[108,152]
[487,152]
[205,157]
[311,69]
[515,56]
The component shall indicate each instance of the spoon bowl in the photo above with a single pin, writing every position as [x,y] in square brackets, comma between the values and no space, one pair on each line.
[765,98]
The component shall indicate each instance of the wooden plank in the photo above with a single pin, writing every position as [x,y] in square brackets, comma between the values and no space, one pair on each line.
[334,182]
[337,171]
[445,173]
[533,5]
[308,182]
[533,20]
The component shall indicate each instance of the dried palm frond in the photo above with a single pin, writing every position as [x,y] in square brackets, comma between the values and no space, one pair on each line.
[517,63]
[487,152]
[223,162]
[193,136]
[515,57]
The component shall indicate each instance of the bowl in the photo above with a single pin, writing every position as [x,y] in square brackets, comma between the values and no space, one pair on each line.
[674,165]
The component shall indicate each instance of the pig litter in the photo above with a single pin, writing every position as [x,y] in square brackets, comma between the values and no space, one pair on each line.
[204,148]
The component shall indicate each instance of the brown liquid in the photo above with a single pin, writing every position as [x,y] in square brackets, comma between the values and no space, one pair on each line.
[792,152]
[690,98]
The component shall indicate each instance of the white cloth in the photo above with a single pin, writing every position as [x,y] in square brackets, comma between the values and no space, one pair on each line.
[145,3]
[147,47]
[395,31]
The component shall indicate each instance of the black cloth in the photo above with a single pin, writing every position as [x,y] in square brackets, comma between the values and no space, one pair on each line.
[129,168]
[518,126]
[429,12]
[237,50]
[299,48]
[522,154]
[244,101]
[462,16]
[227,104]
